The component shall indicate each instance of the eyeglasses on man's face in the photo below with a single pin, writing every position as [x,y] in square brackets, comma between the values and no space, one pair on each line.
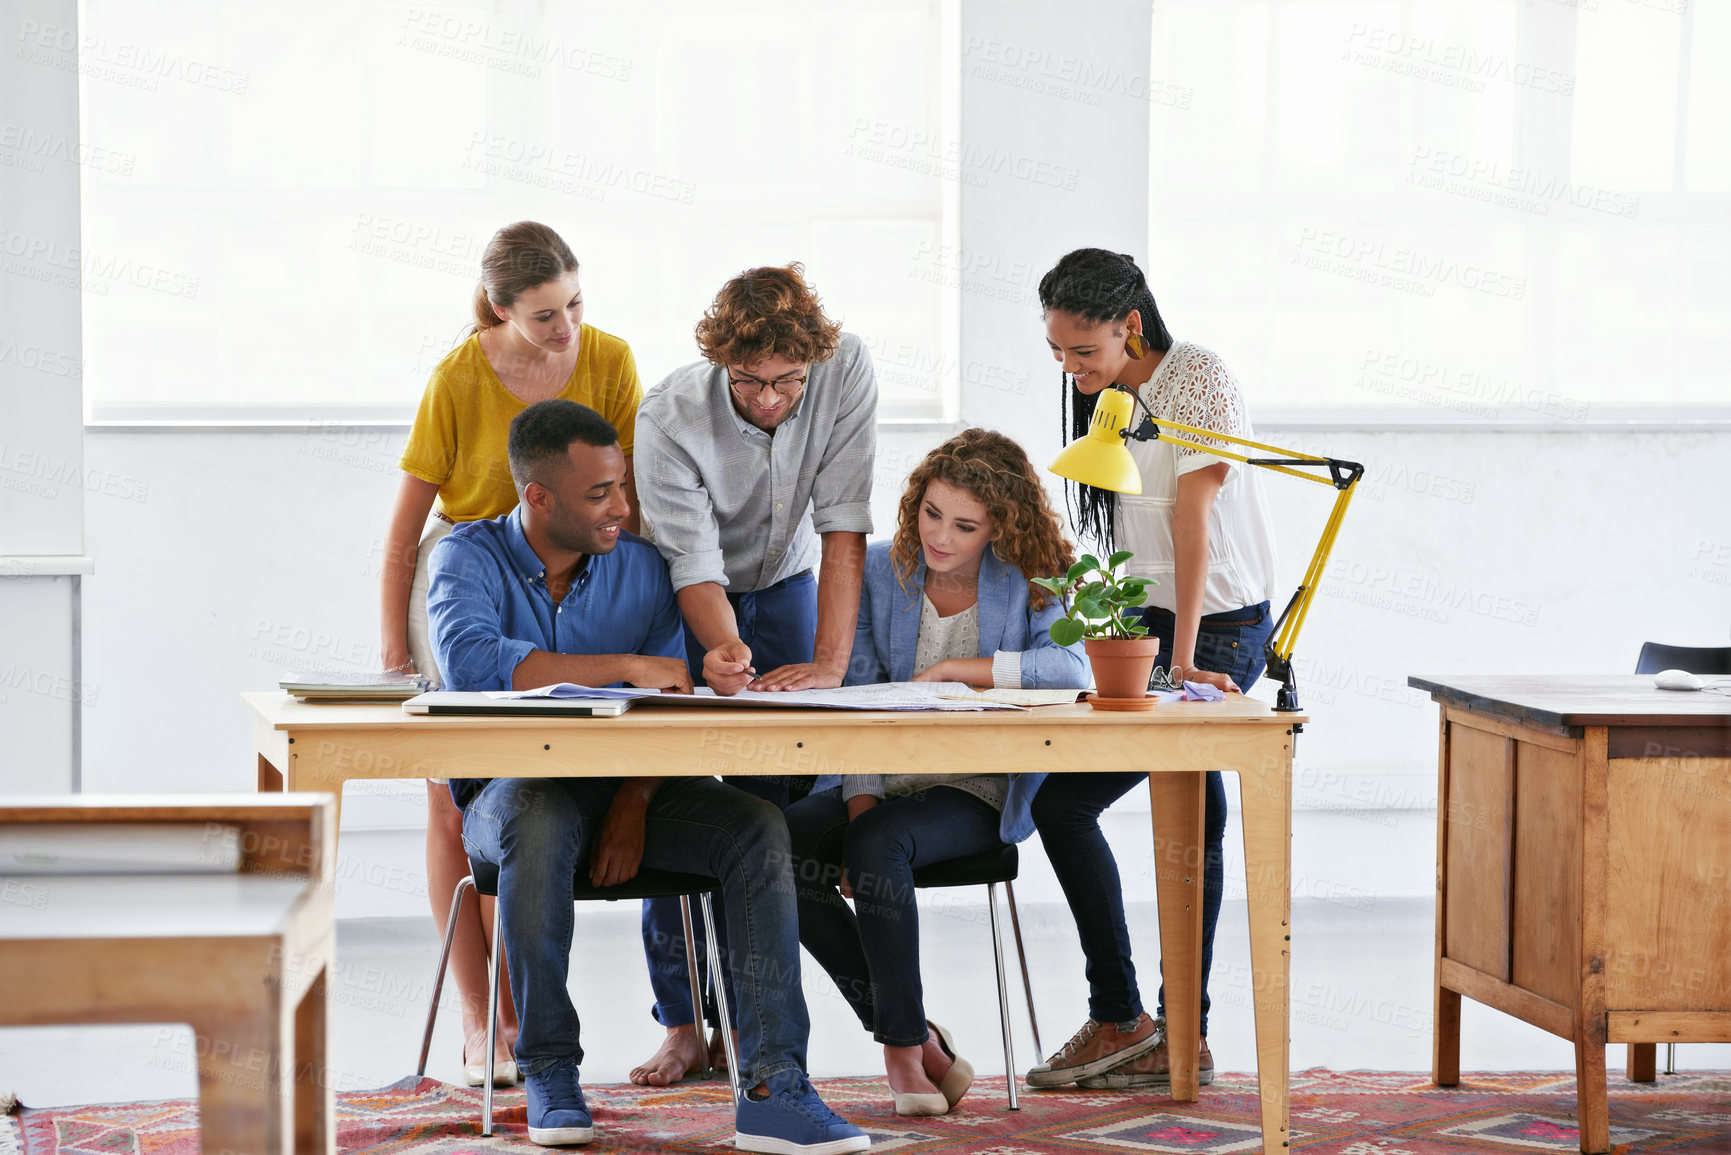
[752,386]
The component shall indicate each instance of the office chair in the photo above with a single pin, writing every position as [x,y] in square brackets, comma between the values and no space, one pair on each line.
[483,879]
[1707,661]
[989,869]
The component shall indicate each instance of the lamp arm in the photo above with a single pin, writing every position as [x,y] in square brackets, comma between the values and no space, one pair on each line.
[1278,649]
[1342,475]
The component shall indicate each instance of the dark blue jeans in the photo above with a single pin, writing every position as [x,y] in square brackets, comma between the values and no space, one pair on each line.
[540,833]
[1067,813]
[779,623]
[873,951]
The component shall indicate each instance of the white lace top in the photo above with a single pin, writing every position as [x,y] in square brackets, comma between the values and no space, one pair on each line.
[1192,386]
[940,638]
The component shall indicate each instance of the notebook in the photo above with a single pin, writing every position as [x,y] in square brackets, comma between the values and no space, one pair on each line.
[459,702]
[369,687]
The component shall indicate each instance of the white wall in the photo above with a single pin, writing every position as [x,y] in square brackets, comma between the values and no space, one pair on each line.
[225,558]
[42,480]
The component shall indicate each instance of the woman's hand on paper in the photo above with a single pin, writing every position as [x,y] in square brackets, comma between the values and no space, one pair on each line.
[1209,677]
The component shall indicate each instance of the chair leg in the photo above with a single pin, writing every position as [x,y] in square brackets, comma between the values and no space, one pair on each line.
[1003,996]
[493,965]
[463,887]
[1670,1058]
[718,988]
[1022,957]
[696,988]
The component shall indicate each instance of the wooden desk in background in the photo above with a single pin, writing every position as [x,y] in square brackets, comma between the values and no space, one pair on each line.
[319,747]
[242,957]
[1583,867]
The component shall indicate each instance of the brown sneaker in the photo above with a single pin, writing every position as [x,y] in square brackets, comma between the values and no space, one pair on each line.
[1150,1071]
[1096,1047]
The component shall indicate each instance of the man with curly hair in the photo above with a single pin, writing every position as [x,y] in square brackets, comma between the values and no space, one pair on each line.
[753,466]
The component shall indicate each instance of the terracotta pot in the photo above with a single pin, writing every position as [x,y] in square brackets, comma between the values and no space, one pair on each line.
[1121,665]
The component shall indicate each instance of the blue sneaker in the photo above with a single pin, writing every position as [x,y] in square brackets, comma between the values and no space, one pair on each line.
[794,1121]
[558,1117]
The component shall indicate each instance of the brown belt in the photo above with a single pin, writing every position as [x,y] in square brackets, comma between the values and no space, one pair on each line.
[443,516]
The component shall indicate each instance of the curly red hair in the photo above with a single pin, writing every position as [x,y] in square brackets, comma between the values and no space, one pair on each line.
[998,473]
[764,313]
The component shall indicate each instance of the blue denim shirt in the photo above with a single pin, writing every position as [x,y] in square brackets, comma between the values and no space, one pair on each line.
[488,608]
[887,633]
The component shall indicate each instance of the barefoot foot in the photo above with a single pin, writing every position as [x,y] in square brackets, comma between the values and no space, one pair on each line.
[678,1056]
[717,1052]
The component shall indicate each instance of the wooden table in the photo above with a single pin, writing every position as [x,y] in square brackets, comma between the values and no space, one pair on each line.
[319,747]
[1583,867]
[242,957]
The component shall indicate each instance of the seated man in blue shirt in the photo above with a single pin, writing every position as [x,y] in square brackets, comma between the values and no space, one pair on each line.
[556,591]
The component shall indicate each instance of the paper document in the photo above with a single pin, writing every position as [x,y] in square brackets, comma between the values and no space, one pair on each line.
[1015,697]
[572,690]
[883,696]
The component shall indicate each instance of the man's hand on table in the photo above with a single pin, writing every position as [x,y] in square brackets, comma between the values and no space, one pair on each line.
[727,668]
[802,676]
[649,672]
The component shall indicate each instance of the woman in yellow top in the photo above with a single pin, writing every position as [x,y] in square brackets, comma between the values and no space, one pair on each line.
[528,344]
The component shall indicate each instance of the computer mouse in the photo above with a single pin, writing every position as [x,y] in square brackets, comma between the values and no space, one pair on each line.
[1677,680]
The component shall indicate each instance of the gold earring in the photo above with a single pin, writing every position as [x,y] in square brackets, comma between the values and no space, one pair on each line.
[1135,346]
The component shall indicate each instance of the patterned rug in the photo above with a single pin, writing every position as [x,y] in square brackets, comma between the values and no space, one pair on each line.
[1354,1113]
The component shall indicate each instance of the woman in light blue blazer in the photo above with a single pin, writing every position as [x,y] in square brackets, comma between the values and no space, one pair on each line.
[948,599]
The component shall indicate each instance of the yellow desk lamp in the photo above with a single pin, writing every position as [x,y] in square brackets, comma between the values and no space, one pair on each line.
[1102,459]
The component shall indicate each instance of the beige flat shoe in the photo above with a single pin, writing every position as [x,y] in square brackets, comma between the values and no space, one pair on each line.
[504,1074]
[475,1074]
[917,1104]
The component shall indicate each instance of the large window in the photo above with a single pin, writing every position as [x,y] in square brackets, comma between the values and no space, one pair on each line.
[1463,210]
[292,205]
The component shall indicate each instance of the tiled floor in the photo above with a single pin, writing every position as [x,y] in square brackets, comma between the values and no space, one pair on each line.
[1361,1000]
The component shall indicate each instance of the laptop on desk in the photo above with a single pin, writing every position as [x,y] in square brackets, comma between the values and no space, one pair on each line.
[446,702]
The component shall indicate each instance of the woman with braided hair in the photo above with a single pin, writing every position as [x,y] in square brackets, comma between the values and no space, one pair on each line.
[947,599]
[1201,529]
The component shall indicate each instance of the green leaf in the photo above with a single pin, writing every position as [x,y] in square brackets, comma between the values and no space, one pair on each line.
[1052,585]
[1119,559]
[1136,597]
[1066,631]
[1087,561]
[1090,608]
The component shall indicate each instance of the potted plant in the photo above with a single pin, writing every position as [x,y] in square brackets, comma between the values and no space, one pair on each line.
[1094,597]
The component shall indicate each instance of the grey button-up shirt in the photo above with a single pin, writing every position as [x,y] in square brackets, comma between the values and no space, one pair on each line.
[725,502]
